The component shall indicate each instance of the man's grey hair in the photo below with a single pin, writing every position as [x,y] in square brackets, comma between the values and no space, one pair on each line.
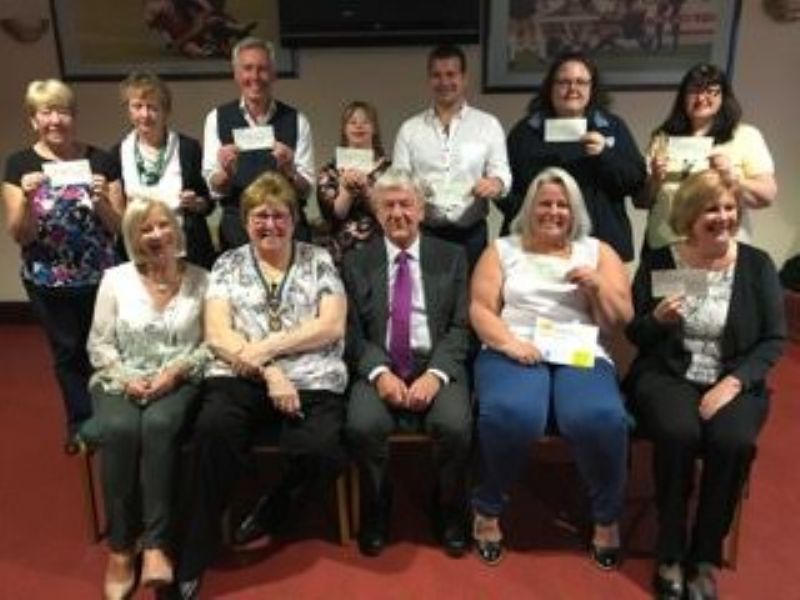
[252,42]
[399,178]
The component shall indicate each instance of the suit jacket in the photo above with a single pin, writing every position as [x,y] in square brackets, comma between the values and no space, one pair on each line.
[752,338]
[444,280]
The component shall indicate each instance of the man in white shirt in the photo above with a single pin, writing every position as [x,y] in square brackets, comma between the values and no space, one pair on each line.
[250,135]
[459,150]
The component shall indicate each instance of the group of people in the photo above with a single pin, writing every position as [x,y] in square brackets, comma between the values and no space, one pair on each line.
[403,316]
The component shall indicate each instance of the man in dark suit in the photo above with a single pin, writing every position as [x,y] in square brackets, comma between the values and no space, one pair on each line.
[407,339]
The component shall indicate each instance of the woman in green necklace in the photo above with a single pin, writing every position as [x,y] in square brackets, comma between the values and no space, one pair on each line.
[157,162]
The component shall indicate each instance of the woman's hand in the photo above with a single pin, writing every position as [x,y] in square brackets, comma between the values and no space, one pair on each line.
[521,351]
[670,310]
[353,180]
[99,188]
[137,388]
[725,390]
[593,142]
[586,278]
[30,182]
[281,391]
[163,383]
[723,165]
[658,168]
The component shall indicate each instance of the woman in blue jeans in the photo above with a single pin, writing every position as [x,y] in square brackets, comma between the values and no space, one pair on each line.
[550,268]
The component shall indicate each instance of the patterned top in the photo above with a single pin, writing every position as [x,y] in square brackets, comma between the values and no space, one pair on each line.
[704,322]
[72,247]
[131,338]
[358,226]
[236,279]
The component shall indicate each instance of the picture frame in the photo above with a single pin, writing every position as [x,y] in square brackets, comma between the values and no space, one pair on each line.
[636,44]
[100,40]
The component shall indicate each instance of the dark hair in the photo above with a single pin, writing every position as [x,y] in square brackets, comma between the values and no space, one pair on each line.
[702,76]
[372,115]
[543,100]
[445,52]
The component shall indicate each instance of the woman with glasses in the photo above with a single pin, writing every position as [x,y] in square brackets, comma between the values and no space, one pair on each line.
[566,127]
[705,108]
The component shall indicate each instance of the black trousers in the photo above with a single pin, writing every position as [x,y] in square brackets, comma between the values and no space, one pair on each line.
[234,410]
[667,407]
[66,317]
[448,421]
[473,239]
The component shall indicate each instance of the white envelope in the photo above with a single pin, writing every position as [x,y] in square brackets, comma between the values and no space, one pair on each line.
[687,154]
[261,137]
[677,282]
[573,344]
[564,130]
[68,172]
[358,159]
[451,197]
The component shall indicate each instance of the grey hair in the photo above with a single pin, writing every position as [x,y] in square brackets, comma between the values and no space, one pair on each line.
[139,207]
[581,223]
[396,177]
[252,42]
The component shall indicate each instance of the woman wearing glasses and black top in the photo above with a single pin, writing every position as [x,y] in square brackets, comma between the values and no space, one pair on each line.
[604,159]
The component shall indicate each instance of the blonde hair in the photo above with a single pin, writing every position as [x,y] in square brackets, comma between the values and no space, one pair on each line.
[138,209]
[581,225]
[48,93]
[271,189]
[145,84]
[695,194]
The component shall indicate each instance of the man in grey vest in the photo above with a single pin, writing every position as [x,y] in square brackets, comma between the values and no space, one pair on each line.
[252,134]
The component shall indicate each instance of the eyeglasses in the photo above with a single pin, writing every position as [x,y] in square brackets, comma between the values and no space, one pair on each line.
[711,91]
[262,218]
[568,83]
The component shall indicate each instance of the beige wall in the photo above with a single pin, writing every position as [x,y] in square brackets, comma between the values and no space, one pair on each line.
[393,78]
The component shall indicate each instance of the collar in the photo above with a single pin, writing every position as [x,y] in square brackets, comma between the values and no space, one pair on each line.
[393,250]
[249,118]
[431,117]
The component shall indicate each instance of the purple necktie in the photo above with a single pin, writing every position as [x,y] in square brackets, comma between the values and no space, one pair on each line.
[400,340]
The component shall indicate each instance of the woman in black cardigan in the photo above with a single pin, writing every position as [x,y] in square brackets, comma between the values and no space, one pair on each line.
[159,163]
[698,385]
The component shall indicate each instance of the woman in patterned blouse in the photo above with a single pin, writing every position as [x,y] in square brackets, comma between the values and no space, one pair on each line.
[146,344]
[344,192]
[63,202]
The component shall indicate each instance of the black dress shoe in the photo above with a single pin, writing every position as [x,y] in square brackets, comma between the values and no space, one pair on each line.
[268,516]
[607,558]
[374,529]
[450,528]
[180,590]
[702,586]
[667,589]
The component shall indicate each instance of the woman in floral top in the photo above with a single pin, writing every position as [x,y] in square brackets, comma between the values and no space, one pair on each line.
[63,204]
[344,193]
[145,343]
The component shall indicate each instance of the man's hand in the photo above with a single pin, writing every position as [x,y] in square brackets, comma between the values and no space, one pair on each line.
[488,188]
[423,391]
[227,156]
[392,390]
[284,158]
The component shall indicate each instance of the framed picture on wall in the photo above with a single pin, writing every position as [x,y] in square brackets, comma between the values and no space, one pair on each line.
[637,44]
[178,39]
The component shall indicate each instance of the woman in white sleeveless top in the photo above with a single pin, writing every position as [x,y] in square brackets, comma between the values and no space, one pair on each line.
[550,269]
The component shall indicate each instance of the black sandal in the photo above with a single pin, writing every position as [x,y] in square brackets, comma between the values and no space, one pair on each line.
[489,551]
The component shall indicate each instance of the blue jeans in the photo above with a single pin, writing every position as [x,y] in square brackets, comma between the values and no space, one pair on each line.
[514,402]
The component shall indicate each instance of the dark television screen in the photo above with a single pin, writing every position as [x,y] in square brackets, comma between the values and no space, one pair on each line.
[378,22]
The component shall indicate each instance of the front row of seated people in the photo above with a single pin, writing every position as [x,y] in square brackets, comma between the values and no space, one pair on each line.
[276,315]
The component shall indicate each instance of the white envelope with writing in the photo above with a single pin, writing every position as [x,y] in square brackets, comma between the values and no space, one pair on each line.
[573,344]
[261,137]
[679,282]
[68,172]
[451,197]
[688,153]
[357,159]
[564,130]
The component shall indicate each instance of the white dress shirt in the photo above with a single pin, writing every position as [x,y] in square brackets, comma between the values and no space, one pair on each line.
[452,159]
[303,152]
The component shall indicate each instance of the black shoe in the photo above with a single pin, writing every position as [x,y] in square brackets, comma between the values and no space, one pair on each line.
[180,590]
[374,529]
[268,516]
[607,558]
[450,528]
[667,589]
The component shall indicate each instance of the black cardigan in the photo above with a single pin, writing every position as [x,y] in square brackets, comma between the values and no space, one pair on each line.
[754,332]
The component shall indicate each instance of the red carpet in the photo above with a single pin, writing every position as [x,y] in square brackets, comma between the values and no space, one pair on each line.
[44,553]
